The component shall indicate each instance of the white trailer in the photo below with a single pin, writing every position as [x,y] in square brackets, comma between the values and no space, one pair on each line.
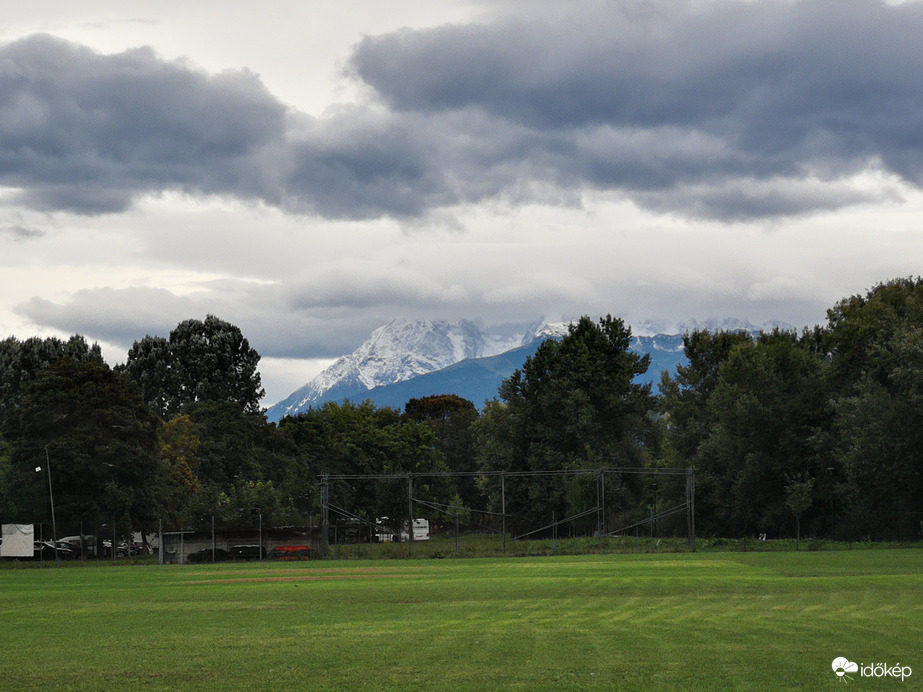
[385,533]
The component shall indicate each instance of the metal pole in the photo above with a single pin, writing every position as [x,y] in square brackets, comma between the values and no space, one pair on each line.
[605,523]
[457,512]
[690,482]
[323,515]
[261,536]
[503,508]
[114,546]
[599,522]
[182,545]
[652,527]
[554,534]
[213,539]
[160,541]
[54,526]
[83,556]
[410,509]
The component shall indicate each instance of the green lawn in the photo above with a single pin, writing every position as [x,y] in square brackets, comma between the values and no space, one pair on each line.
[661,621]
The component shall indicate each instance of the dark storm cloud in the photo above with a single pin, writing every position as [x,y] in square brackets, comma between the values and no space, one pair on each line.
[88,132]
[726,110]
[646,98]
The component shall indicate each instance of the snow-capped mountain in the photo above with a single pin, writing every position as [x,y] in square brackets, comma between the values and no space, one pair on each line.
[402,350]
[652,328]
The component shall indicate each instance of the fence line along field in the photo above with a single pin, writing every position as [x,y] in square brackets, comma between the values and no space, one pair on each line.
[646,621]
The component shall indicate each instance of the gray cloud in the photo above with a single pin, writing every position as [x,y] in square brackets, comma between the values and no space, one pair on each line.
[88,132]
[21,233]
[650,98]
[122,316]
[728,110]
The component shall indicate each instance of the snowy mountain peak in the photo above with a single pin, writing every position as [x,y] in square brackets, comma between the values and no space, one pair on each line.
[403,349]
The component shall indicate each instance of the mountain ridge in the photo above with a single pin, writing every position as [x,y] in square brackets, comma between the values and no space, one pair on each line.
[403,350]
[404,359]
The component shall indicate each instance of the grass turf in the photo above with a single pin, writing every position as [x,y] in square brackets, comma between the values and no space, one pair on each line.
[675,621]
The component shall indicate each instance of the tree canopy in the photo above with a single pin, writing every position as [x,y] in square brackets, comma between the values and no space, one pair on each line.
[91,424]
[206,360]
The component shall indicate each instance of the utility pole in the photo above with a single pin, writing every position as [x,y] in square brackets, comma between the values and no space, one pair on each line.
[324,514]
[410,510]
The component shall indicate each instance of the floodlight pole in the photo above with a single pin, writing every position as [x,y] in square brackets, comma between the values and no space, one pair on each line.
[690,505]
[503,508]
[324,514]
[410,509]
[599,509]
[54,526]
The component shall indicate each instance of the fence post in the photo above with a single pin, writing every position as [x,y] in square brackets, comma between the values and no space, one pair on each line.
[410,509]
[599,507]
[690,505]
[324,515]
[605,523]
[503,508]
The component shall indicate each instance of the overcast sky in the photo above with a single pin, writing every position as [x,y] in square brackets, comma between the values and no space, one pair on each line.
[309,170]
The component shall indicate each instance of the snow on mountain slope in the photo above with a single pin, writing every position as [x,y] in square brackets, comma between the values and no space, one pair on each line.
[401,350]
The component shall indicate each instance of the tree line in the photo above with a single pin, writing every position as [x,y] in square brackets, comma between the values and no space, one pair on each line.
[818,432]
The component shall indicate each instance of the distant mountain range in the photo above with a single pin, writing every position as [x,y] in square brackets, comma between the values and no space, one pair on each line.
[412,359]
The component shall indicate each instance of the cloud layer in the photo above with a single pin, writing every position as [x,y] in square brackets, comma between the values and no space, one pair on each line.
[725,110]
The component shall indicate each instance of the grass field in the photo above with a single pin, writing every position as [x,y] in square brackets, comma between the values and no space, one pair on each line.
[710,621]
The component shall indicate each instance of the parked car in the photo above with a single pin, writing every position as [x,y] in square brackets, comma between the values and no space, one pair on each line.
[246,552]
[45,550]
[204,556]
[88,548]
[121,550]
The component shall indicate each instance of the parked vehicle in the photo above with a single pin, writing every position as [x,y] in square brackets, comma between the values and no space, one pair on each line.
[246,552]
[88,549]
[385,533]
[293,552]
[121,549]
[45,550]
[204,556]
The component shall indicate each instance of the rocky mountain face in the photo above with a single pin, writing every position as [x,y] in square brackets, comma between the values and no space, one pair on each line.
[402,350]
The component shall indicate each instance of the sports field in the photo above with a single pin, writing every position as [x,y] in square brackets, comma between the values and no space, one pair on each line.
[682,621]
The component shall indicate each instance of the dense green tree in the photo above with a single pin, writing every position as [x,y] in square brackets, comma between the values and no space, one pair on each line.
[799,495]
[100,438]
[236,453]
[573,404]
[453,420]
[684,398]
[768,406]
[206,360]
[364,439]
[177,484]
[859,326]
[878,442]
[22,361]
[873,342]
